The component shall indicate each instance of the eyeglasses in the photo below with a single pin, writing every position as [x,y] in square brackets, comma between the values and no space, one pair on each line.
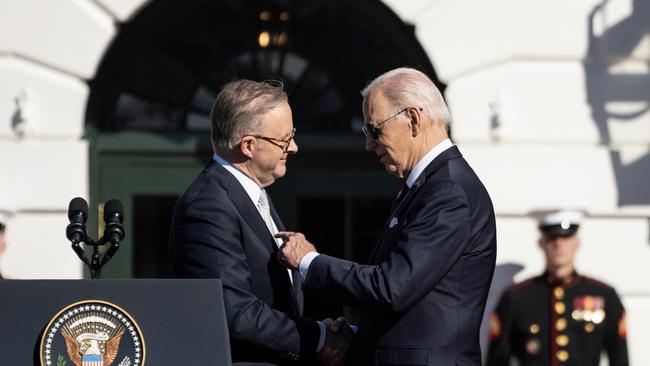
[374,130]
[282,144]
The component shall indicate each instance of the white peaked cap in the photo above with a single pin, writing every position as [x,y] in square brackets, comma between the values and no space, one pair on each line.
[559,222]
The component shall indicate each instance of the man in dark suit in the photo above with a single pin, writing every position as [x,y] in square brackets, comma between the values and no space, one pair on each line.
[223,228]
[424,290]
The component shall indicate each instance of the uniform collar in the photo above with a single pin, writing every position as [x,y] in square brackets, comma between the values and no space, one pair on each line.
[565,282]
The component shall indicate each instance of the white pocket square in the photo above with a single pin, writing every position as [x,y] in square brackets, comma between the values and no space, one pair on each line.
[392,223]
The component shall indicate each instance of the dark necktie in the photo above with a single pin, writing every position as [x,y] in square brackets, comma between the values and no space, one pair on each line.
[398,198]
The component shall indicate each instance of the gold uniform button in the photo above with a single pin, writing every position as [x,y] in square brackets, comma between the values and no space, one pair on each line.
[559,293]
[562,340]
[560,308]
[534,329]
[589,327]
[560,324]
[562,356]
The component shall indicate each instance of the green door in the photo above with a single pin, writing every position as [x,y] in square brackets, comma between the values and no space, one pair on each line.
[148,187]
[147,176]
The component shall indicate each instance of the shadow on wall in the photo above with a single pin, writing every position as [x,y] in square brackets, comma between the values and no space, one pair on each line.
[504,275]
[619,97]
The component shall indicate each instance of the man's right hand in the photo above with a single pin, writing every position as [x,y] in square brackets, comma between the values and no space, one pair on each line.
[337,342]
[294,248]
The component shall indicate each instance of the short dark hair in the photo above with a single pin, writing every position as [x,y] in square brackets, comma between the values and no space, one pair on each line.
[2,227]
[239,107]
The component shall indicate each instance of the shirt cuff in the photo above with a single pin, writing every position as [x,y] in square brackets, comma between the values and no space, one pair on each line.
[323,334]
[305,262]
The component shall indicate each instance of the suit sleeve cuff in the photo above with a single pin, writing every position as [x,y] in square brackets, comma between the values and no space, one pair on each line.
[323,334]
[305,262]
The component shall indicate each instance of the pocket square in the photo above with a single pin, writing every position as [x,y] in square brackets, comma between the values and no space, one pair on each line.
[392,223]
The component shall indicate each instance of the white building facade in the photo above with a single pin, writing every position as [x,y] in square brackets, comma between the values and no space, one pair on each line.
[550,104]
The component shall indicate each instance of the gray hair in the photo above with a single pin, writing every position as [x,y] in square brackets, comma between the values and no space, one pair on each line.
[239,107]
[407,87]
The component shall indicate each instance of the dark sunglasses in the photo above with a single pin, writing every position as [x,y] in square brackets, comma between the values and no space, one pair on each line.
[373,130]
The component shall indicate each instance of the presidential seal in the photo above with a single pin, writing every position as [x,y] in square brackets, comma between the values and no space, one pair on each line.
[92,333]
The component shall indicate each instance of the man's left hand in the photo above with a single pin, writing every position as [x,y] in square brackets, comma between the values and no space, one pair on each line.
[337,342]
[294,248]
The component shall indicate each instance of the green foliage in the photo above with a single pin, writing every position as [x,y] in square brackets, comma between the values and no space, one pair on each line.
[60,361]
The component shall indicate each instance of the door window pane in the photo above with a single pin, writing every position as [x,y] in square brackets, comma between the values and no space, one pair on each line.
[151,221]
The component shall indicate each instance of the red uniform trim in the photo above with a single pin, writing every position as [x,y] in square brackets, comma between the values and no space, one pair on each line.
[521,284]
[598,282]
[553,330]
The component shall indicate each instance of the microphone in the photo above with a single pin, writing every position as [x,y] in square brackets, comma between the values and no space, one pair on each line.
[113,218]
[77,214]
[113,229]
[76,230]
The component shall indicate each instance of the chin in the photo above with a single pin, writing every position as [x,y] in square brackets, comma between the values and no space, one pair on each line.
[391,169]
[279,173]
[560,263]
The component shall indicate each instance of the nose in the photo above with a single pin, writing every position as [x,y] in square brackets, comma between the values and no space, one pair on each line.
[293,147]
[370,144]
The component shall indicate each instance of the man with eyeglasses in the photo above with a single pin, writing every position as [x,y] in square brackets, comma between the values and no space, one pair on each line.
[223,228]
[423,291]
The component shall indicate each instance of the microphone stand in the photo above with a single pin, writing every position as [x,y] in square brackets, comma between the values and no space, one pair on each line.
[96,261]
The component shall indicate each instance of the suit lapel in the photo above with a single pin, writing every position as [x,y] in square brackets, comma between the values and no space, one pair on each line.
[296,289]
[242,201]
[404,203]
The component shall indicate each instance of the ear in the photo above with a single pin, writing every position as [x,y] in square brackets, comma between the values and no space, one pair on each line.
[248,146]
[415,116]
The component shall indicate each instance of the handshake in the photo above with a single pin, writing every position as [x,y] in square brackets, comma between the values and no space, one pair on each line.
[339,335]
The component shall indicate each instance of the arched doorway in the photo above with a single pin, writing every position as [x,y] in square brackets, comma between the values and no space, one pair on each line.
[147,118]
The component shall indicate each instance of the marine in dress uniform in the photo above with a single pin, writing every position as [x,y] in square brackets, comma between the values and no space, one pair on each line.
[560,318]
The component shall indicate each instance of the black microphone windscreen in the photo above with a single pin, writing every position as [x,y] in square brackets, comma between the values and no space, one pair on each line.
[113,208]
[77,204]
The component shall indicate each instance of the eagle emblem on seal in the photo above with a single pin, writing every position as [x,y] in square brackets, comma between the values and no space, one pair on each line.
[92,333]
